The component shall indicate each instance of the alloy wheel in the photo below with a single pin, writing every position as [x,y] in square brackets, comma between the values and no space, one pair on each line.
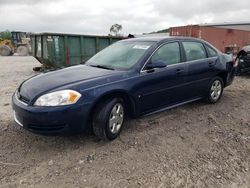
[116,118]
[216,90]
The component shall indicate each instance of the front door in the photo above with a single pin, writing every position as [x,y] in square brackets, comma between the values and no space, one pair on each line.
[161,87]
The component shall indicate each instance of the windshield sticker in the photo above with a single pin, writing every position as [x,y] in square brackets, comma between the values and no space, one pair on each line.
[141,47]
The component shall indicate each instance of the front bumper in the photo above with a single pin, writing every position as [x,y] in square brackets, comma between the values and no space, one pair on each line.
[51,120]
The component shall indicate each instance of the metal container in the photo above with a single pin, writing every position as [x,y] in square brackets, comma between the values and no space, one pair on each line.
[224,39]
[63,50]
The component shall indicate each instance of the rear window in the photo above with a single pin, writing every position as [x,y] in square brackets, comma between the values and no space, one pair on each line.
[211,52]
[194,51]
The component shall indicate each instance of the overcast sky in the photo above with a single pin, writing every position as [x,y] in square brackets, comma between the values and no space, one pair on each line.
[96,16]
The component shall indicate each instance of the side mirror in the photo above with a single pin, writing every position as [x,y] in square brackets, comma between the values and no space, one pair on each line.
[156,64]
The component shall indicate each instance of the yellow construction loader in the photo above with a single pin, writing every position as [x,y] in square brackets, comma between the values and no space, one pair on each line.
[19,43]
[6,47]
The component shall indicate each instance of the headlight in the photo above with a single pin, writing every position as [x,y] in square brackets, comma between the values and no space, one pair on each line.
[58,98]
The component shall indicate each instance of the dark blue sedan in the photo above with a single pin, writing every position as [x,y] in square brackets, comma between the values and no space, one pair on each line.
[132,77]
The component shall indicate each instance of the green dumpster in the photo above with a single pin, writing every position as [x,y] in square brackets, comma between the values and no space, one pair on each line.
[63,50]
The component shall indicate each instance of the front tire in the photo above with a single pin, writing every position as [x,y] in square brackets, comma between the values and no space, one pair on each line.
[108,119]
[5,50]
[215,90]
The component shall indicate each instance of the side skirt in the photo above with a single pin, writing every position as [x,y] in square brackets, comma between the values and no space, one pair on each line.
[170,107]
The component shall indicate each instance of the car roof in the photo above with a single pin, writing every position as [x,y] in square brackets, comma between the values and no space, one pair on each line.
[161,39]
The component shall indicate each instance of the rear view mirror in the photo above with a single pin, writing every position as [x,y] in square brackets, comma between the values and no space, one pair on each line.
[156,64]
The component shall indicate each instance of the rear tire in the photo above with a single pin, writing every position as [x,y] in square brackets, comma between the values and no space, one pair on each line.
[215,90]
[108,119]
[5,50]
[22,50]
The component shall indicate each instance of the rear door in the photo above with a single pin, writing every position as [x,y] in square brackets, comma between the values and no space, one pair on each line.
[162,87]
[200,67]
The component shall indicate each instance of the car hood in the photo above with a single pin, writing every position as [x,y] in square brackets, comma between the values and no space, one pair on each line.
[45,82]
[246,48]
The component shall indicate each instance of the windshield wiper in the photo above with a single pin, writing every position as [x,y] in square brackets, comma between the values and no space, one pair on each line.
[102,67]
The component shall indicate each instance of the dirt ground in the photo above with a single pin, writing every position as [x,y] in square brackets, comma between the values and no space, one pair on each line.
[195,145]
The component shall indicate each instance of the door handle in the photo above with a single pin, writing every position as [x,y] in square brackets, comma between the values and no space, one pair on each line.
[211,64]
[179,71]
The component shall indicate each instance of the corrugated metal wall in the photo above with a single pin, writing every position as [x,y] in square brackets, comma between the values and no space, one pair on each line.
[220,38]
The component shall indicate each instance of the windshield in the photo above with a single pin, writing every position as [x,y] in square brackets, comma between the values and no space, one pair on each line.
[121,55]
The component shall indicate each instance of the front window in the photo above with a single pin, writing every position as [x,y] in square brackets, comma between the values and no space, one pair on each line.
[121,55]
[168,53]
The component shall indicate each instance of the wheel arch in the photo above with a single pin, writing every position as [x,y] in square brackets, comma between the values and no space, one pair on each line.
[129,102]
[223,76]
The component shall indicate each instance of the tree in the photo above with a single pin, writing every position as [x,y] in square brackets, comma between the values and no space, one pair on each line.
[5,35]
[115,29]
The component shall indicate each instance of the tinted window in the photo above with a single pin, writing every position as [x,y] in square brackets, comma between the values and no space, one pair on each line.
[194,51]
[168,53]
[211,51]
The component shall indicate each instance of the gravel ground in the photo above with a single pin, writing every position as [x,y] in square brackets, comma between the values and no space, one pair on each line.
[195,145]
